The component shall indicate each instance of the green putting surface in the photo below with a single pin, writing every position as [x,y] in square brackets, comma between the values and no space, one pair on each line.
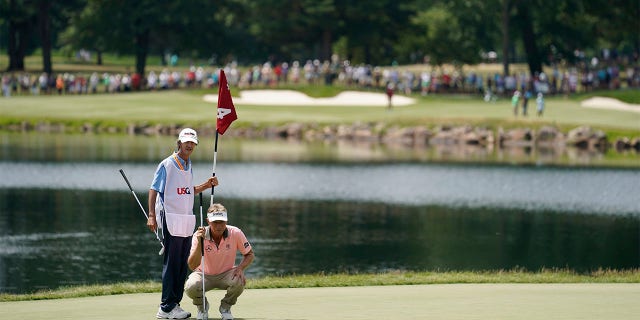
[452,301]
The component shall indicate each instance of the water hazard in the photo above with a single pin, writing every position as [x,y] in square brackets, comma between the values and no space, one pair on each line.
[68,218]
[78,223]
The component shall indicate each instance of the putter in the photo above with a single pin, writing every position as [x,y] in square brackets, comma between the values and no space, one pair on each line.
[143,211]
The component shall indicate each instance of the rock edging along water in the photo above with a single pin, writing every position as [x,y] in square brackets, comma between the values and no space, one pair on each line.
[583,137]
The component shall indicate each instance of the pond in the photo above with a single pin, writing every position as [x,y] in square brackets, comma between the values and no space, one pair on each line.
[67,216]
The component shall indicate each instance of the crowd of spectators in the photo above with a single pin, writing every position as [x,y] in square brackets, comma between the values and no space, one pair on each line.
[606,75]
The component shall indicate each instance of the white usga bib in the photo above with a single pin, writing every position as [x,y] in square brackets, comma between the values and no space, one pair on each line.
[178,200]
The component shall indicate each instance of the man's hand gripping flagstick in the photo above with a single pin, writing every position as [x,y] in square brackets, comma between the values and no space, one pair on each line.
[226,114]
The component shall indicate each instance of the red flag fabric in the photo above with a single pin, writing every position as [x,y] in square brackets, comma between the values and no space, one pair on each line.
[226,110]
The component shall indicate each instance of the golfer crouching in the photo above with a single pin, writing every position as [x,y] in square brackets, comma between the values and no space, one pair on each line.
[221,242]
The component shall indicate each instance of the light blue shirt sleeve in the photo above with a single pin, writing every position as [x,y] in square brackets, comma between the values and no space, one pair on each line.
[159,179]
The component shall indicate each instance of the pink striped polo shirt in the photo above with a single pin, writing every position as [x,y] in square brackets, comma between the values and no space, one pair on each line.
[219,259]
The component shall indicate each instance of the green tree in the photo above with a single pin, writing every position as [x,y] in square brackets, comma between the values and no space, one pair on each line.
[223,31]
[372,28]
[33,24]
[304,29]
[374,32]
[87,30]
[622,30]
[551,31]
[20,16]
[451,31]
[194,28]
[294,29]
[123,27]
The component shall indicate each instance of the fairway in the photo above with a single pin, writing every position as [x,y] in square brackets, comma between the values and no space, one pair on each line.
[449,301]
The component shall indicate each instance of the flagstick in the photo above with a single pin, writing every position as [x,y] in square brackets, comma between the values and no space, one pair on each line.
[215,157]
[204,297]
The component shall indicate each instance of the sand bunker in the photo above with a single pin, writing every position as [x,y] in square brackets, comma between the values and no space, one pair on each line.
[609,103]
[295,98]
[370,99]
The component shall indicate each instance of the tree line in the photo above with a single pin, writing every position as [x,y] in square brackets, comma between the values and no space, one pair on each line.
[379,32]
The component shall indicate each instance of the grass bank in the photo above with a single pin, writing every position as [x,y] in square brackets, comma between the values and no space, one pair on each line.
[356,280]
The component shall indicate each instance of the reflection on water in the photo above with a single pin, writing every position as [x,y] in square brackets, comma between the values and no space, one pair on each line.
[57,238]
[12,245]
[53,238]
[34,146]
[531,188]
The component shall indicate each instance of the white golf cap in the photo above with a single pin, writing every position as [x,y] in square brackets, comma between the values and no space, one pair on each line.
[217,216]
[188,134]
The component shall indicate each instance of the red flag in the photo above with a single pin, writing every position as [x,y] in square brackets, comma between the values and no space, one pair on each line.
[226,110]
